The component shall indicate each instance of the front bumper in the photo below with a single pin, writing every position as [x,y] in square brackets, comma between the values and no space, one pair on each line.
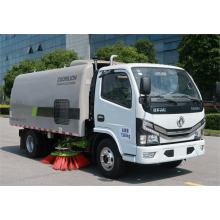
[180,152]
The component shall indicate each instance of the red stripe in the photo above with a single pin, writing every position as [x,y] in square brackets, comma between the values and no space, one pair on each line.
[56,131]
[24,126]
[50,131]
[45,129]
[70,133]
[12,124]
[39,129]
[15,124]
[20,125]
[63,132]
[29,126]
[34,127]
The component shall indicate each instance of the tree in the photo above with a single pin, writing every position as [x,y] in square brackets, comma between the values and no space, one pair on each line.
[53,60]
[144,46]
[1,94]
[125,54]
[199,54]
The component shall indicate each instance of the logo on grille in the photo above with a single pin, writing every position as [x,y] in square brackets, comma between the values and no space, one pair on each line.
[180,121]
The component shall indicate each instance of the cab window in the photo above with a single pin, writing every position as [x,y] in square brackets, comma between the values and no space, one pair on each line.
[116,88]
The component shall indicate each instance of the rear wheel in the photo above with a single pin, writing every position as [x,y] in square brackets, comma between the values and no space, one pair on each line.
[109,160]
[171,164]
[33,149]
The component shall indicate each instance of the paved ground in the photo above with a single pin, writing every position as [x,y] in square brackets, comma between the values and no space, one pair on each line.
[17,169]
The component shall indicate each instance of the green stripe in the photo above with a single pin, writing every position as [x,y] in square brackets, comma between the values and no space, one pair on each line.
[34,112]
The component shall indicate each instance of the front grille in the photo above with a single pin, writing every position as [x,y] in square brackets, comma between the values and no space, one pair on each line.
[170,134]
[179,130]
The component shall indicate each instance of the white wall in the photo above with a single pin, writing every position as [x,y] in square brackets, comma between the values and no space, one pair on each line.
[79,43]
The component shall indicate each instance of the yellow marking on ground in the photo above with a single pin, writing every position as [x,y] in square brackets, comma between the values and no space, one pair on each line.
[193,184]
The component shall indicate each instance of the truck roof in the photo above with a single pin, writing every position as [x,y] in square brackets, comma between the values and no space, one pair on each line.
[81,62]
[130,65]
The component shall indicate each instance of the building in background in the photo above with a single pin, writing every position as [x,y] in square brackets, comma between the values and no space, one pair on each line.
[17,47]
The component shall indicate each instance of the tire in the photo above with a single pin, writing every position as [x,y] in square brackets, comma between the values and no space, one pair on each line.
[113,166]
[33,149]
[171,164]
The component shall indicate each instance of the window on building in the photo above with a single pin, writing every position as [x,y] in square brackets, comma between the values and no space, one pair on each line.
[39,47]
[30,50]
[171,46]
[130,39]
[109,36]
[6,57]
[116,88]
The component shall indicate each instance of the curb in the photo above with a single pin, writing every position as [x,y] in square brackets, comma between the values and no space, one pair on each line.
[211,134]
[3,117]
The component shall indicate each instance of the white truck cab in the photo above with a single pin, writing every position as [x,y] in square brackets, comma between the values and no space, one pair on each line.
[154,113]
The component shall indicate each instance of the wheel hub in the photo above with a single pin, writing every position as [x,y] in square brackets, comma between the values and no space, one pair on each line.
[107,159]
[30,143]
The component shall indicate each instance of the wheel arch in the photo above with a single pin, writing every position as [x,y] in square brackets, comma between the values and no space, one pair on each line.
[99,136]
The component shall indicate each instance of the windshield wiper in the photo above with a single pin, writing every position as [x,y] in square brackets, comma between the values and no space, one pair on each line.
[185,96]
[162,97]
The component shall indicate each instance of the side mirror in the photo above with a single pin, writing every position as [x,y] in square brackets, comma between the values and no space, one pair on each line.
[217,88]
[145,85]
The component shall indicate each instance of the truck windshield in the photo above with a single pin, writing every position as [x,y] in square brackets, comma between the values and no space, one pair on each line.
[167,83]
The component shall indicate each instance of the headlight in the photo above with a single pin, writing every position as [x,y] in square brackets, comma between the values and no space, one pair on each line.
[199,134]
[147,126]
[143,139]
[152,139]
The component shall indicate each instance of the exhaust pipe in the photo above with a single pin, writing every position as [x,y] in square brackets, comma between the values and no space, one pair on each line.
[111,59]
[95,58]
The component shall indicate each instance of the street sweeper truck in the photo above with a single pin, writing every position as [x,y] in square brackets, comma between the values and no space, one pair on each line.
[110,113]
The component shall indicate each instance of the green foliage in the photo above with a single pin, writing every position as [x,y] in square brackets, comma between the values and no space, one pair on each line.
[144,46]
[212,131]
[4,115]
[1,92]
[209,110]
[125,54]
[53,60]
[213,121]
[199,54]
[4,106]
[7,101]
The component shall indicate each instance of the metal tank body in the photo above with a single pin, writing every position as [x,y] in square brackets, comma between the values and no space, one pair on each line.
[53,100]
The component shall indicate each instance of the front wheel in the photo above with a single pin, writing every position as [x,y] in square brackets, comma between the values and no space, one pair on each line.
[109,160]
[171,164]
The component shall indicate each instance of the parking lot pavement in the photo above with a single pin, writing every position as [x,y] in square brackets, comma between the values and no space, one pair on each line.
[17,169]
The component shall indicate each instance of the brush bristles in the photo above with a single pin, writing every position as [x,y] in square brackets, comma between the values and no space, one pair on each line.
[48,159]
[66,163]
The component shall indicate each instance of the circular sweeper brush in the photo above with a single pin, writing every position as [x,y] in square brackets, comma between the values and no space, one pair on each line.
[66,160]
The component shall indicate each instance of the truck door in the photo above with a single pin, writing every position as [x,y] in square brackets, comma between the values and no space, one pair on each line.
[115,108]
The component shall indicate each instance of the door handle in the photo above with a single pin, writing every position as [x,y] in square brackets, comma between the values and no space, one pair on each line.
[100,118]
